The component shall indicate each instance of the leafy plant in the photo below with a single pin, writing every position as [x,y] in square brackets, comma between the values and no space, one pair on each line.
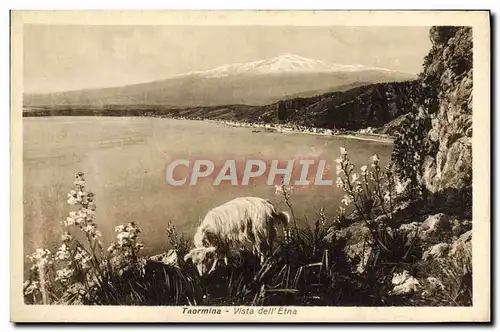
[81,272]
[309,266]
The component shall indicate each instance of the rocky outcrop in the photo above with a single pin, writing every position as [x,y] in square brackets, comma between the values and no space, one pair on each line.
[357,246]
[436,251]
[392,127]
[463,243]
[436,223]
[366,106]
[448,70]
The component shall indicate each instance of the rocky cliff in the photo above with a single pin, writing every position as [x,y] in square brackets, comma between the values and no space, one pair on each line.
[447,81]
[367,106]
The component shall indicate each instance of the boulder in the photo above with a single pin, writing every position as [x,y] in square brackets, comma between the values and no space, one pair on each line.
[436,251]
[358,243]
[458,227]
[436,223]
[462,245]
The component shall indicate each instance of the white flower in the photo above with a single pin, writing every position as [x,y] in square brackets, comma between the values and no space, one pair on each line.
[88,213]
[132,230]
[80,196]
[401,187]
[338,169]
[364,169]
[64,274]
[79,182]
[88,228]
[278,190]
[343,151]
[41,257]
[72,200]
[112,247]
[63,253]
[92,230]
[387,196]
[375,158]
[83,258]
[68,221]
[339,182]
[66,237]
[91,206]
[119,229]
[346,200]
[124,238]
[32,287]
[354,177]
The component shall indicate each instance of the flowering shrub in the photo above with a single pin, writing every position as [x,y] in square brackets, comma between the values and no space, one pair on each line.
[372,193]
[411,145]
[80,270]
[368,189]
[76,263]
[179,243]
[42,261]
[286,191]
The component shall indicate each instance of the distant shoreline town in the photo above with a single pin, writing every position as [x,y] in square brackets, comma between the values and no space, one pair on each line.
[366,134]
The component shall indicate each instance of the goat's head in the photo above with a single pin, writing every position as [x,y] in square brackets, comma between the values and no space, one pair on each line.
[204,258]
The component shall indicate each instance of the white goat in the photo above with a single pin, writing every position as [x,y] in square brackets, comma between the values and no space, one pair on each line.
[227,227]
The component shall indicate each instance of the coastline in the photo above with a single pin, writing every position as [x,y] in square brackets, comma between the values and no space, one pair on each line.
[366,134]
[363,134]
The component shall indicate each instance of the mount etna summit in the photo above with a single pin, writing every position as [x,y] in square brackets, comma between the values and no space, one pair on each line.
[251,83]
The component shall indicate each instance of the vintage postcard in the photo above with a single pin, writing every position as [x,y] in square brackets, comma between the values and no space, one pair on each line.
[250,166]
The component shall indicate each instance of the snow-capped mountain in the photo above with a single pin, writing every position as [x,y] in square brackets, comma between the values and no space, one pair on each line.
[251,83]
[284,63]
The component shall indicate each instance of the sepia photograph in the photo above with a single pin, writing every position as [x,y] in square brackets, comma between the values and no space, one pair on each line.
[233,166]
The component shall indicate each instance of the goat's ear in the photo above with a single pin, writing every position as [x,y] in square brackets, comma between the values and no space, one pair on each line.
[188,256]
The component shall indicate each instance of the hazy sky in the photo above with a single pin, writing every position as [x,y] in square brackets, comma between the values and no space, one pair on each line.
[58,58]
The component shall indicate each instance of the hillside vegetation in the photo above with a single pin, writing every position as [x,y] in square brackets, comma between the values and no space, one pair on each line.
[365,106]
